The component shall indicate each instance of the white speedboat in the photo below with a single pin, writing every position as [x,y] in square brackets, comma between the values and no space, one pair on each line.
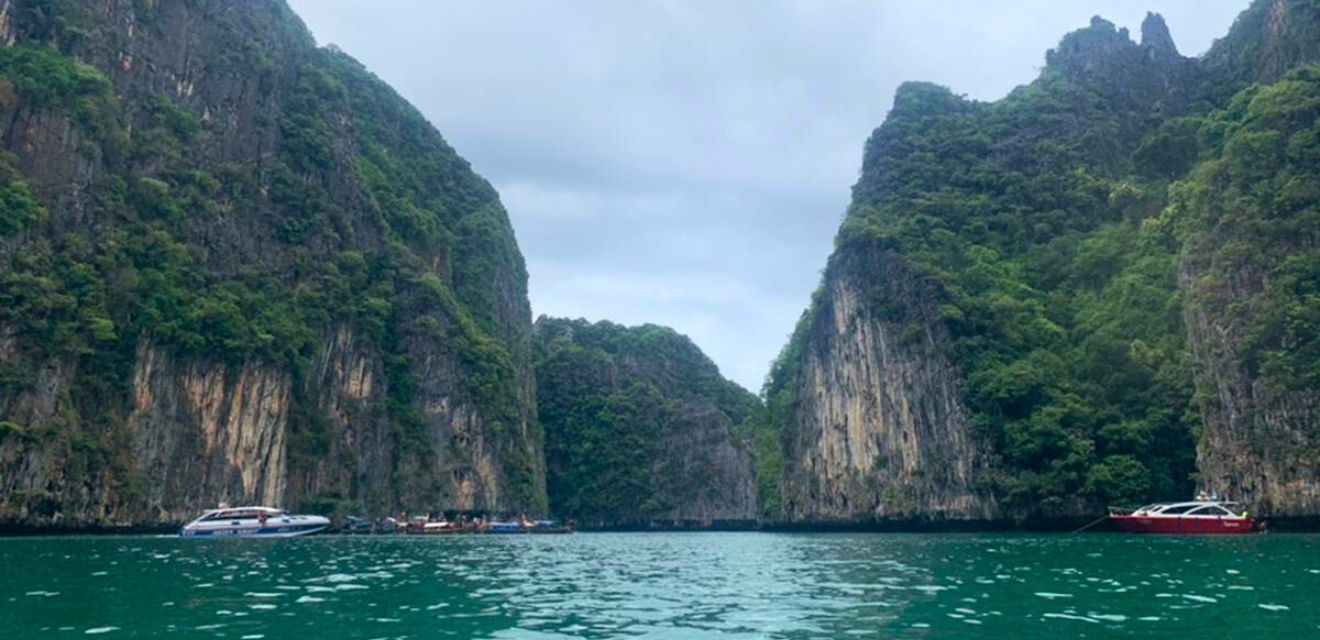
[252,522]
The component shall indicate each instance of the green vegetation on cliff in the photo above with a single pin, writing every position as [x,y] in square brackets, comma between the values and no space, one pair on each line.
[641,428]
[1035,222]
[1251,211]
[1247,219]
[246,237]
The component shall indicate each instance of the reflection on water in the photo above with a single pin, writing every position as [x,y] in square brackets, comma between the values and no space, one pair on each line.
[715,585]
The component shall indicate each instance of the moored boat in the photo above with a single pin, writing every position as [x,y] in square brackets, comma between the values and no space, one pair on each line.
[1192,517]
[253,522]
[524,526]
[444,527]
[550,526]
[503,526]
[356,526]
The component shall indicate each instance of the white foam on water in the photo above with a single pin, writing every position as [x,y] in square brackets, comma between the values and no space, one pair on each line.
[1051,596]
[350,587]
[1197,598]
[309,599]
[930,588]
[258,594]
[262,607]
[1068,616]
[255,636]
[1273,607]
[1108,617]
[99,630]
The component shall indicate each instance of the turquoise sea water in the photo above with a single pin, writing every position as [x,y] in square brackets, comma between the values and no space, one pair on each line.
[664,585]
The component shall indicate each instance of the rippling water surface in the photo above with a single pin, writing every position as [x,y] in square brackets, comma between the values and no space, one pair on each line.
[658,585]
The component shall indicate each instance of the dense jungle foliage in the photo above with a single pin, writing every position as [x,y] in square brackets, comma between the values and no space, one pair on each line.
[608,395]
[1049,225]
[1251,212]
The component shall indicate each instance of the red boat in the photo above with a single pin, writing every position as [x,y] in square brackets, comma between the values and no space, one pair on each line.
[1196,517]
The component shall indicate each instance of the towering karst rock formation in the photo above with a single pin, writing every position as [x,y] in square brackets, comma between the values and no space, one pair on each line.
[237,267]
[1249,221]
[1035,305]
[642,430]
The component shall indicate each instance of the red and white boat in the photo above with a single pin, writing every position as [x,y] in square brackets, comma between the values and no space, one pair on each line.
[1195,517]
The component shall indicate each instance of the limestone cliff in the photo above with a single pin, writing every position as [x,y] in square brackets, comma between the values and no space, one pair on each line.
[238,267]
[917,382]
[1000,332]
[879,429]
[1261,443]
[641,429]
[1250,267]
[1267,40]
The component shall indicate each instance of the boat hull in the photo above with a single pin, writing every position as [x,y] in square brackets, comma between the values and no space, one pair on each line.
[271,529]
[1190,525]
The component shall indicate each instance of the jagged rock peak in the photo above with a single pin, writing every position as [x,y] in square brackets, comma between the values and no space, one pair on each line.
[1155,36]
[1101,51]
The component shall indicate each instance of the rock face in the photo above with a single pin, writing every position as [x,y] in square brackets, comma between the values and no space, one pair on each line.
[641,429]
[1249,270]
[1248,243]
[1267,40]
[970,355]
[241,421]
[1261,443]
[237,267]
[879,430]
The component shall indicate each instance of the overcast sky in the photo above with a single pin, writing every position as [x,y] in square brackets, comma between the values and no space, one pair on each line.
[687,163]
